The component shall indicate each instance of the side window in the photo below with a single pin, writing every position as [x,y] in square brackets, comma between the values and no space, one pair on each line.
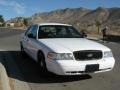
[28,31]
[32,30]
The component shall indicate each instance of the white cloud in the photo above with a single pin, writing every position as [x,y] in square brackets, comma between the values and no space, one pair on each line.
[19,8]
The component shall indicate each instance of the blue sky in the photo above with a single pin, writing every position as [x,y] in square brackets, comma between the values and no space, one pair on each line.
[12,8]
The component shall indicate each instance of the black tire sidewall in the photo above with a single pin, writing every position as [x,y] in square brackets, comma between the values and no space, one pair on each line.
[41,59]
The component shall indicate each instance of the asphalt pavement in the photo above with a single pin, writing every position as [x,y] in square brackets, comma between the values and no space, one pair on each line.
[6,32]
[24,72]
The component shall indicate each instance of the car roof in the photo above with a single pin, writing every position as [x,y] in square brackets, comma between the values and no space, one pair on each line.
[42,24]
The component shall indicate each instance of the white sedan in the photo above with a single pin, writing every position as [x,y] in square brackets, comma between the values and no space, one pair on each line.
[61,49]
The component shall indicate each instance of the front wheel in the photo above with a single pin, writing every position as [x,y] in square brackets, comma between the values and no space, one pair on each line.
[41,62]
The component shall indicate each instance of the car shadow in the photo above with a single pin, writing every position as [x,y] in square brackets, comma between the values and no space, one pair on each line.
[25,69]
[113,38]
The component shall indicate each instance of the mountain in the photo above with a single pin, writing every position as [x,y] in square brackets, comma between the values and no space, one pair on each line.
[82,18]
[61,15]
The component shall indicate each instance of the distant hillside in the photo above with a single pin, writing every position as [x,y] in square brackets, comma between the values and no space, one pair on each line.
[82,18]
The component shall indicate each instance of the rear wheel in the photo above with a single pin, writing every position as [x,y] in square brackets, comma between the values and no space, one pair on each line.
[41,62]
[22,50]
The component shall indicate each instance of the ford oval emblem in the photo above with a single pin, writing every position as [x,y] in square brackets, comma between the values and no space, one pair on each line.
[89,55]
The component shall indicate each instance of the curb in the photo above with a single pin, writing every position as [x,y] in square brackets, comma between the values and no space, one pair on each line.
[93,38]
[3,77]
[10,83]
[99,40]
[16,83]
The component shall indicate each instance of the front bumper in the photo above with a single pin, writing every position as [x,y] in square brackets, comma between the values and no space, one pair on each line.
[73,67]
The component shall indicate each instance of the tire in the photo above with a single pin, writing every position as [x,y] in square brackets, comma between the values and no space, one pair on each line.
[41,63]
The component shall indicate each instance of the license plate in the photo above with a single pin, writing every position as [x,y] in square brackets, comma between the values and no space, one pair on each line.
[92,68]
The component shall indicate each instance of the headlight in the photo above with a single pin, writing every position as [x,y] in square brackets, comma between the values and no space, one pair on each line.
[60,56]
[108,54]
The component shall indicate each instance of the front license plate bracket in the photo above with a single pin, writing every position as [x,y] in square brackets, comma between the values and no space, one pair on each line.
[92,68]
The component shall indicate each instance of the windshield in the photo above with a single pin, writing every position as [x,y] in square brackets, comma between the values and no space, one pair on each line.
[57,31]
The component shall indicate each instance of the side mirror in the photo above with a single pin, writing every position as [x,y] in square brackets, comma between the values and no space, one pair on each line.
[84,35]
[31,35]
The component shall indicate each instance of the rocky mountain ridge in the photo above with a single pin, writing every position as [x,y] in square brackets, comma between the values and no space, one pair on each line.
[82,18]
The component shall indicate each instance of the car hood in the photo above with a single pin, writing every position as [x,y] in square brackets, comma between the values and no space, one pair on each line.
[72,44]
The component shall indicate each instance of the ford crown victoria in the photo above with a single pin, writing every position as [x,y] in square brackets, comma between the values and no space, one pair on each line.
[61,49]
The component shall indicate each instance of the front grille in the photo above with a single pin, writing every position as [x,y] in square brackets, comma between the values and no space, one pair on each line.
[88,55]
